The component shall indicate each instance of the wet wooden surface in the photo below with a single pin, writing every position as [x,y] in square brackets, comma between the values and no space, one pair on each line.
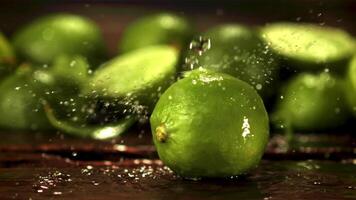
[53,166]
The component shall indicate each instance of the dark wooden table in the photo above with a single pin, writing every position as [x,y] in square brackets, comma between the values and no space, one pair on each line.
[53,166]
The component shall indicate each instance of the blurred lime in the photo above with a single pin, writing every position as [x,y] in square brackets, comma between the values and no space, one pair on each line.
[310,47]
[164,28]
[238,51]
[7,57]
[311,103]
[62,34]
[210,124]
[135,79]
[65,80]
[351,85]
[20,103]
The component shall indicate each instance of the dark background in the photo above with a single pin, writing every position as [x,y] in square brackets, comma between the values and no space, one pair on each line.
[112,16]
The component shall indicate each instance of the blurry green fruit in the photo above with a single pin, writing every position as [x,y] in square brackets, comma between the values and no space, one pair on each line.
[156,29]
[310,47]
[351,85]
[20,104]
[65,80]
[7,57]
[45,39]
[311,103]
[135,79]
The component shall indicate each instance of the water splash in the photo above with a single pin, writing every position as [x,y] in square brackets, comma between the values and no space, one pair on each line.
[245,127]
[200,45]
[50,181]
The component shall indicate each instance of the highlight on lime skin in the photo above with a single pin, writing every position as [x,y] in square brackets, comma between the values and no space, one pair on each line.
[161,134]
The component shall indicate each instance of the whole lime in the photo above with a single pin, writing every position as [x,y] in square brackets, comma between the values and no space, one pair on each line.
[210,124]
[157,29]
[238,51]
[62,34]
[311,102]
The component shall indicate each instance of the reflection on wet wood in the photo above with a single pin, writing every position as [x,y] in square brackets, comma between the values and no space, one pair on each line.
[43,166]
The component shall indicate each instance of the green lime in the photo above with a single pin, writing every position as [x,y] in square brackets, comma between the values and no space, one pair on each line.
[351,85]
[136,78]
[7,57]
[65,80]
[311,103]
[236,50]
[20,103]
[6,53]
[62,34]
[158,29]
[310,47]
[210,124]
[85,130]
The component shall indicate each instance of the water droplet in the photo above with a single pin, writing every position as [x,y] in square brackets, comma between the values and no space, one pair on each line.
[282,97]
[245,127]
[326,70]
[57,193]
[258,86]
[72,64]
[17,88]
[201,45]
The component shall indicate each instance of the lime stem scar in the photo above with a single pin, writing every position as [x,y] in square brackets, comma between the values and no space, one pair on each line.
[161,134]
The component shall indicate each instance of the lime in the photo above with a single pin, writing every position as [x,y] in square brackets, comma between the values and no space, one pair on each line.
[351,85]
[6,53]
[311,103]
[136,78]
[210,124]
[20,103]
[237,50]
[48,37]
[7,57]
[65,80]
[84,130]
[25,92]
[310,47]
[158,29]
